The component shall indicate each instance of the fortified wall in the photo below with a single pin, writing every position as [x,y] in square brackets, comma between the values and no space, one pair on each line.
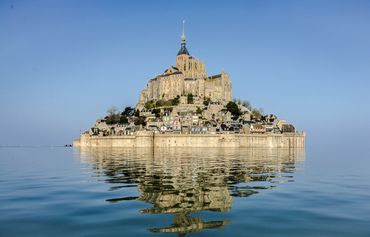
[148,139]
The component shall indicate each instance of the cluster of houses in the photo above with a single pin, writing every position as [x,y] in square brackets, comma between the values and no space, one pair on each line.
[213,118]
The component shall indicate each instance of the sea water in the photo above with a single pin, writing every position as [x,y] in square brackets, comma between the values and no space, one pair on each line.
[58,191]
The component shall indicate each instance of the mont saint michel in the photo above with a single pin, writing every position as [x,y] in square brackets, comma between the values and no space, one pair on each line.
[120,120]
[186,107]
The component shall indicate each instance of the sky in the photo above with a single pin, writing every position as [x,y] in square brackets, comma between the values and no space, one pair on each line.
[64,63]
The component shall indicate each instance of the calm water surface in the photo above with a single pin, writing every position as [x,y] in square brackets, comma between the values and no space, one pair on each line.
[53,191]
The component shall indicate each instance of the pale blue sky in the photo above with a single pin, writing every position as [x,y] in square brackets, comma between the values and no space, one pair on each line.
[63,63]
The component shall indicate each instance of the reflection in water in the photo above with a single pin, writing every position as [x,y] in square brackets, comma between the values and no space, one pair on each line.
[184,181]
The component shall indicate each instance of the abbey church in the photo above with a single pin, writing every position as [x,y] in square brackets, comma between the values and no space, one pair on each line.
[188,77]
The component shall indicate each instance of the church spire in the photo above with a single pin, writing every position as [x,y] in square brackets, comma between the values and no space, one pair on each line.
[183,39]
[183,49]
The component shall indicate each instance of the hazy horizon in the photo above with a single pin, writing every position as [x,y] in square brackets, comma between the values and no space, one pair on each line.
[64,63]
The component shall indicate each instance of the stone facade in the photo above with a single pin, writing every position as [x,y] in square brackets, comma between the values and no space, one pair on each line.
[189,76]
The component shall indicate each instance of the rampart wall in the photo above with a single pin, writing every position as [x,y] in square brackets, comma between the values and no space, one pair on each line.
[195,140]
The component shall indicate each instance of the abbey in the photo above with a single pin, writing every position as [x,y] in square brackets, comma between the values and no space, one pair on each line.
[188,77]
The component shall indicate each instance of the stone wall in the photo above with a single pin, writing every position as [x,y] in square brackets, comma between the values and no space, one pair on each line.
[198,140]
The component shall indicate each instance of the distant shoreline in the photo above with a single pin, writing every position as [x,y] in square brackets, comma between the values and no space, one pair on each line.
[32,146]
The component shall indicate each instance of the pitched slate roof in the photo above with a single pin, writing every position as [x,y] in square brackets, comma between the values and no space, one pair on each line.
[183,50]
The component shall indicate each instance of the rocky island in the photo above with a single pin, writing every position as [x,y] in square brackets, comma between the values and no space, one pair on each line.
[186,107]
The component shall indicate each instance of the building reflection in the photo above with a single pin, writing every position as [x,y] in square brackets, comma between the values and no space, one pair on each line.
[184,181]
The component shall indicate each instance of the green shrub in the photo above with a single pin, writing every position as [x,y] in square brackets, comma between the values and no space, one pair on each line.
[233,108]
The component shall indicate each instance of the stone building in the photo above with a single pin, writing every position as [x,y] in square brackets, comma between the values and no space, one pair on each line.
[189,76]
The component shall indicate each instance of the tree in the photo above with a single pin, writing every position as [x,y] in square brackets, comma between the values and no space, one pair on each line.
[199,110]
[149,104]
[140,121]
[233,108]
[112,110]
[123,119]
[128,111]
[175,101]
[113,115]
[261,110]
[190,98]
[247,104]
[159,103]
[257,113]
[157,112]
[112,119]
[167,103]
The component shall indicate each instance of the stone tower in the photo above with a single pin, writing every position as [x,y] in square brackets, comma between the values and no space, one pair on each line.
[189,76]
[188,65]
